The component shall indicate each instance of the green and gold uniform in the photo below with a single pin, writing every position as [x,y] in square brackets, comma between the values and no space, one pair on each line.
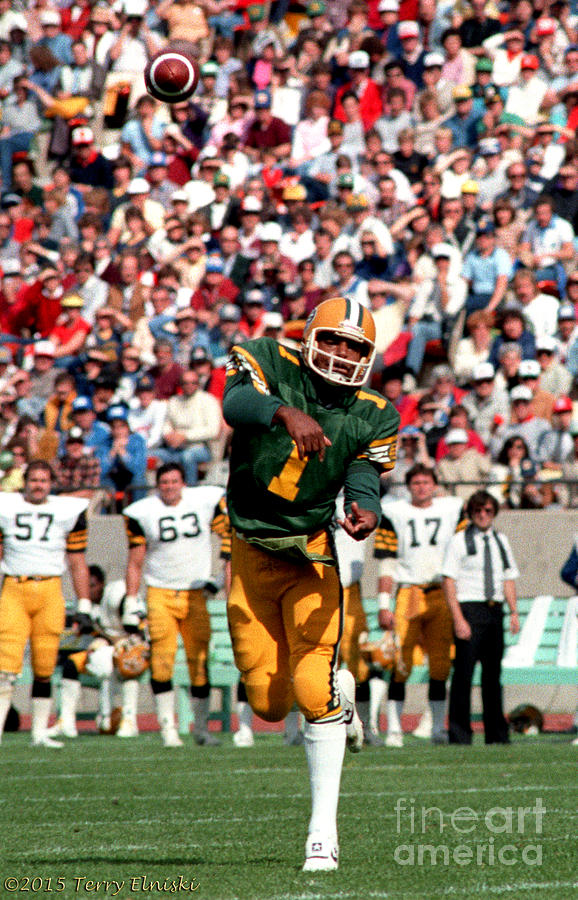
[285,608]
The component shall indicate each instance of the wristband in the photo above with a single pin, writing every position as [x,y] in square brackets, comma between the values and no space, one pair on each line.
[384,600]
[84,606]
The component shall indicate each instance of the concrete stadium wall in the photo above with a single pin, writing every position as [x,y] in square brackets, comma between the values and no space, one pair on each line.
[541,542]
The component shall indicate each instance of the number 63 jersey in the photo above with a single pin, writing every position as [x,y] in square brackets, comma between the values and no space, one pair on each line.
[177,538]
[37,536]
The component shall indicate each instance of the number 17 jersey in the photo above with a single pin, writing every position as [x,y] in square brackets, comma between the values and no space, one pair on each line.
[177,538]
[418,536]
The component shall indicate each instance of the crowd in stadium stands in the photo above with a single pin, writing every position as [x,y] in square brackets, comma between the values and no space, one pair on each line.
[417,156]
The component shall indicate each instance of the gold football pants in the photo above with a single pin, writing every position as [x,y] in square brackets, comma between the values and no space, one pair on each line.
[170,612]
[285,620]
[422,619]
[30,610]
[354,624]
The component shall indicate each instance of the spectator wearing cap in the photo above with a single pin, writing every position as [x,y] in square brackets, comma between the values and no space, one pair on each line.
[486,404]
[252,312]
[226,333]
[76,468]
[267,131]
[412,51]
[106,336]
[152,212]
[193,423]
[57,415]
[364,88]
[147,414]
[53,38]
[70,331]
[554,377]
[39,302]
[161,187]
[547,134]
[494,181]
[525,98]
[523,422]
[189,335]
[487,269]
[158,326]
[464,468]
[463,124]
[322,169]
[458,418]
[123,456]
[225,208]
[397,119]
[556,446]
[89,286]
[540,309]
[529,373]
[213,290]
[88,167]
[434,308]
[251,211]
[547,243]
[84,417]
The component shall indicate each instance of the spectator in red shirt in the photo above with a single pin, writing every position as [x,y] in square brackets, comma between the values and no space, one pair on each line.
[166,372]
[363,87]
[214,290]
[70,331]
[267,131]
[459,419]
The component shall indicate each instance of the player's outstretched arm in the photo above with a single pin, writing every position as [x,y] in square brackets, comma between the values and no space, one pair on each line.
[359,523]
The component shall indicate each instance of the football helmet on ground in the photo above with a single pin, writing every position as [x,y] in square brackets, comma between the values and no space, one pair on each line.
[132,656]
[346,319]
[384,653]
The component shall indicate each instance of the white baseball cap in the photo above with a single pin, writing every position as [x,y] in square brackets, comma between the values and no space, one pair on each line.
[457,436]
[483,371]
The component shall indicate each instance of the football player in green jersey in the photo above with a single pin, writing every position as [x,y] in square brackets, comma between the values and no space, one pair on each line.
[304,427]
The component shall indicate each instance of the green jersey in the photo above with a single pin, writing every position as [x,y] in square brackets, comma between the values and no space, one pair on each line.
[273,493]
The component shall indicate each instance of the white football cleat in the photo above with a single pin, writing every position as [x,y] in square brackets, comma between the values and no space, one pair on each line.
[206,739]
[395,739]
[171,737]
[424,728]
[127,729]
[60,728]
[575,742]
[353,724]
[321,853]
[244,738]
[46,741]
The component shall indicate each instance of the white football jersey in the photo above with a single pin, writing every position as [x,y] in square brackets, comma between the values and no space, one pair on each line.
[178,538]
[350,553]
[37,536]
[417,537]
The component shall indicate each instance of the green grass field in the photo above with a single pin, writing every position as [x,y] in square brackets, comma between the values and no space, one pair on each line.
[233,822]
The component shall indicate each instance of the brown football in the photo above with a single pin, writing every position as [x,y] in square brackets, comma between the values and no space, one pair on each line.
[172,76]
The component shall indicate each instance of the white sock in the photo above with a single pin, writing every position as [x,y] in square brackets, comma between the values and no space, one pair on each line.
[105,698]
[377,692]
[394,711]
[245,714]
[5,701]
[129,693]
[69,697]
[41,707]
[292,724]
[165,704]
[438,714]
[201,714]
[324,749]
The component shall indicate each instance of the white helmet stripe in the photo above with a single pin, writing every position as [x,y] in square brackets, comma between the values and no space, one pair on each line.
[353,313]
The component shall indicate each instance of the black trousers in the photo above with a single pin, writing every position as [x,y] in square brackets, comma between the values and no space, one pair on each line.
[486,645]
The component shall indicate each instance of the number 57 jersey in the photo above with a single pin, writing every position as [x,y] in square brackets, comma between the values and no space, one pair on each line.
[177,538]
[37,536]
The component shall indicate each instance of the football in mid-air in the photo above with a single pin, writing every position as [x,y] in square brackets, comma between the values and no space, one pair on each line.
[172,75]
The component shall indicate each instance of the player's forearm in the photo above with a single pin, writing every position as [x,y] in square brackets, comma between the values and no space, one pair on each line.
[80,576]
[134,569]
[362,486]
